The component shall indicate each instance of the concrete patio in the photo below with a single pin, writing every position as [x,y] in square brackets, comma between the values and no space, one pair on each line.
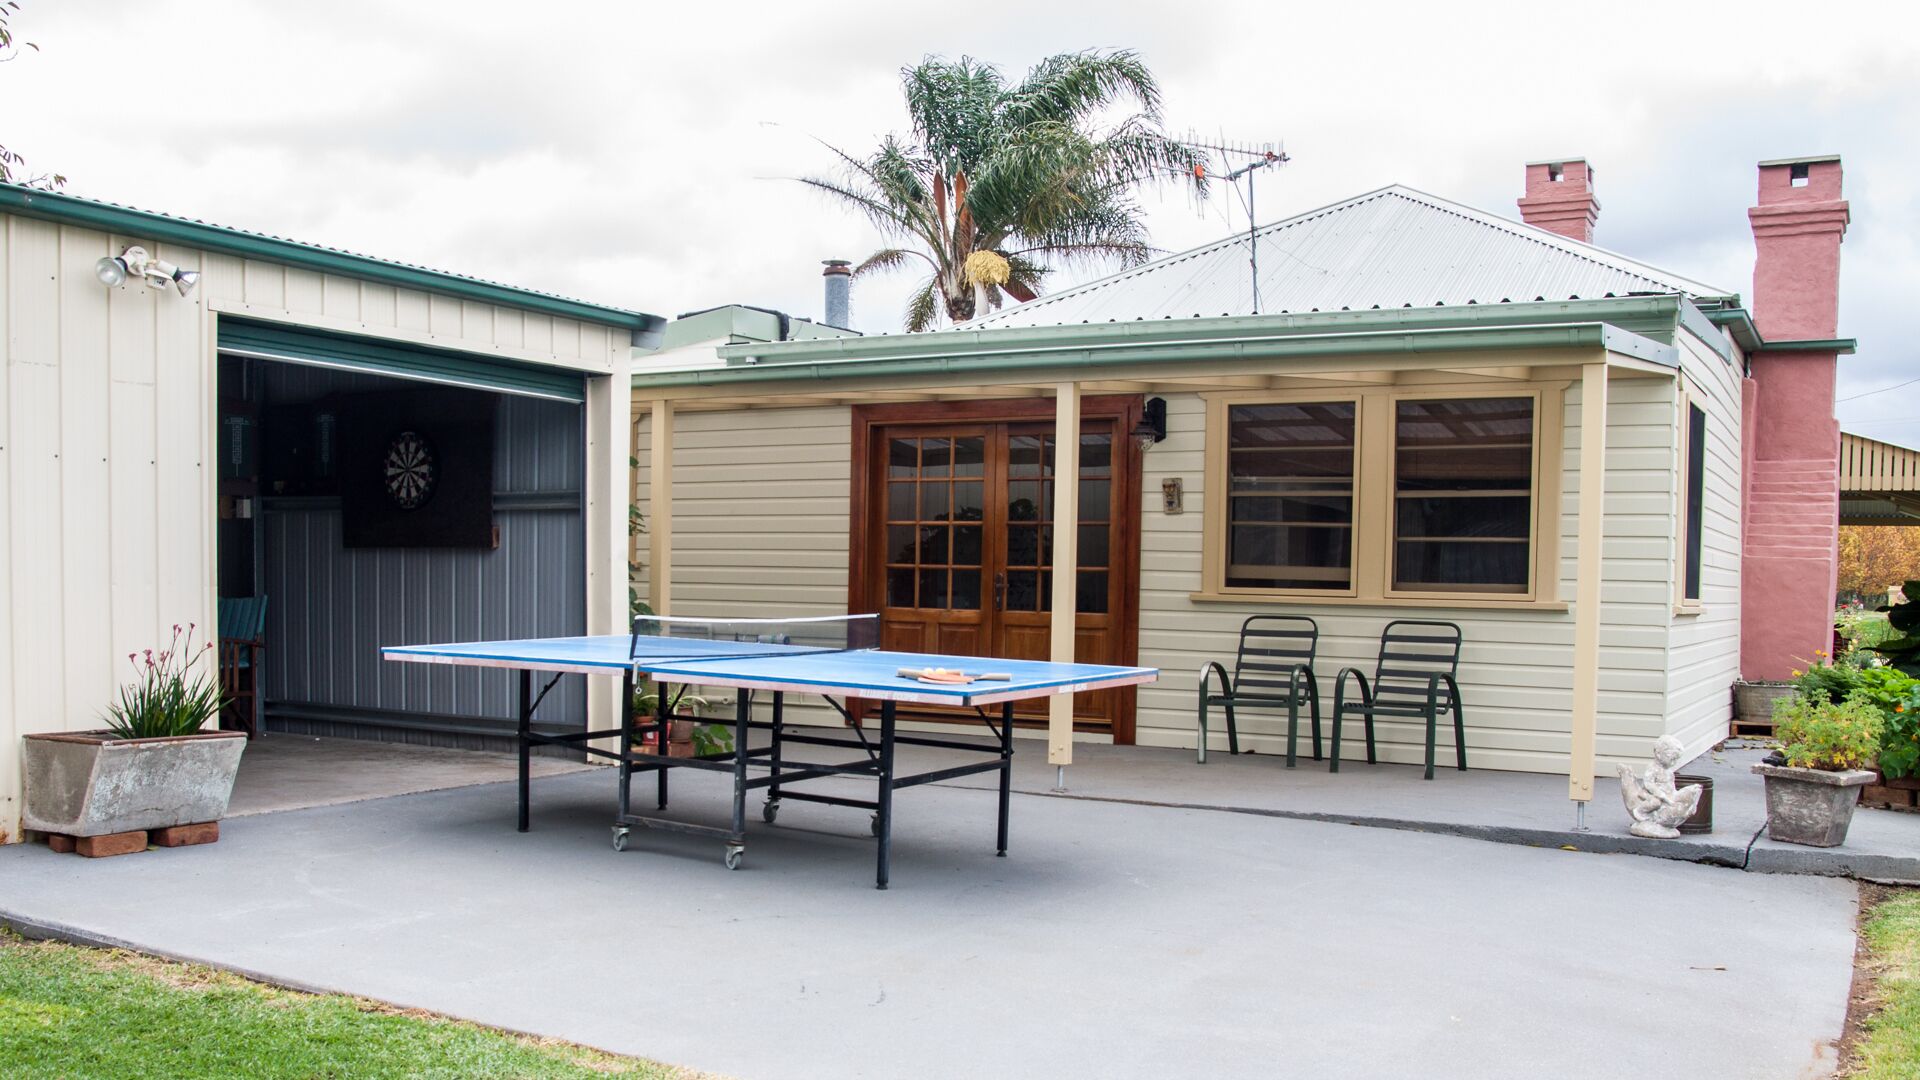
[1120,937]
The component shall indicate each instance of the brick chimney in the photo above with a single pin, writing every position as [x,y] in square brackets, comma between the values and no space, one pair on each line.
[1560,198]
[1790,441]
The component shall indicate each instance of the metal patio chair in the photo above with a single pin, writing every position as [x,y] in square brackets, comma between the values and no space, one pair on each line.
[243,632]
[1413,677]
[1273,670]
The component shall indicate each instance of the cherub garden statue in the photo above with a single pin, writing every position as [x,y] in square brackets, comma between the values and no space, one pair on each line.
[1656,806]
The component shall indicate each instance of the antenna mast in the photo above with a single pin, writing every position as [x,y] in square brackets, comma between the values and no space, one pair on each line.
[1263,156]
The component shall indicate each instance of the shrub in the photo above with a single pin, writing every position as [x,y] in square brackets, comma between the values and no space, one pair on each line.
[170,697]
[1897,695]
[1903,618]
[1815,733]
[1827,680]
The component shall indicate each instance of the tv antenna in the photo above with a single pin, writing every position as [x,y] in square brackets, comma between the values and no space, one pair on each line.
[1254,158]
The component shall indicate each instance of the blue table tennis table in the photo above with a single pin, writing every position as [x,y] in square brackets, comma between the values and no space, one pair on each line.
[773,665]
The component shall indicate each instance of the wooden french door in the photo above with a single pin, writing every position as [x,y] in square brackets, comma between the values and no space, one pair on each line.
[954,533]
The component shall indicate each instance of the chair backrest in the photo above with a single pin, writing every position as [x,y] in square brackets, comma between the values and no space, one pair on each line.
[243,617]
[1412,651]
[1271,646]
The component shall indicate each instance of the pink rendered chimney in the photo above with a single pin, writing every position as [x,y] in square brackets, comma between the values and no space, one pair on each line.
[1560,198]
[1792,442]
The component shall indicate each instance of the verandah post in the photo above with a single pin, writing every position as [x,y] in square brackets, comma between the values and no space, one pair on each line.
[1586,604]
[1066,568]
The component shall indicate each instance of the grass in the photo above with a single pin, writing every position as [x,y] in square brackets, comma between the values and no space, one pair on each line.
[1888,1046]
[67,1011]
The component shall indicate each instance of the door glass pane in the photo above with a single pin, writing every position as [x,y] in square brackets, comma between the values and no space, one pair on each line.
[1290,495]
[1023,545]
[900,543]
[1463,494]
[970,456]
[903,457]
[1023,457]
[933,500]
[900,501]
[1096,500]
[966,590]
[1096,455]
[933,588]
[933,544]
[1023,590]
[1093,545]
[969,500]
[966,545]
[936,457]
[1023,500]
[899,586]
[1092,594]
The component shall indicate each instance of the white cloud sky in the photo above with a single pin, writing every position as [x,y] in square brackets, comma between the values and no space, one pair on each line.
[637,154]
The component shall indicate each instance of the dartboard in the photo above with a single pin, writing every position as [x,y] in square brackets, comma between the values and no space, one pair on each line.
[411,470]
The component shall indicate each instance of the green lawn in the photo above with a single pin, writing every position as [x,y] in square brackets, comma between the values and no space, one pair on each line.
[69,1012]
[1889,1048]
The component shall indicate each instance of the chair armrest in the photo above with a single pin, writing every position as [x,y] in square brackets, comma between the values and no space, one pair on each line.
[1453,689]
[1213,667]
[1340,686]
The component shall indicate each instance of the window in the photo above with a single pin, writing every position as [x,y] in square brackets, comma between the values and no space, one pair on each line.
[1383,494]
[1694,520]
[1290,495]
[1463,488]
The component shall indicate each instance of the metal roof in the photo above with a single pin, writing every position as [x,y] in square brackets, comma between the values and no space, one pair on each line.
[1391,248]
[129,221]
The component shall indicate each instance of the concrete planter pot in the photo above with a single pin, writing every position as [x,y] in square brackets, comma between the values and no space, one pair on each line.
[1811,806]
[88,783]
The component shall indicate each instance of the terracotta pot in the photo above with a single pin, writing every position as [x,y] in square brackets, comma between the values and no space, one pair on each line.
[1811,806]
[89,783]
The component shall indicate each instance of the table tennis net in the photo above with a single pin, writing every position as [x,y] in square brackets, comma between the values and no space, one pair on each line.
[657,637]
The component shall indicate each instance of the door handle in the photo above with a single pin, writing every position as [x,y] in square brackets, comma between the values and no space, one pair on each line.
[1000,591]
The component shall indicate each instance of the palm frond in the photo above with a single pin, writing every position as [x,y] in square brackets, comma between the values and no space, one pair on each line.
[889,259]
[922,309]
[1070,87]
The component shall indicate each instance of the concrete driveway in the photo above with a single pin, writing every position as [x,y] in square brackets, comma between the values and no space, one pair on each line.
[1115,941]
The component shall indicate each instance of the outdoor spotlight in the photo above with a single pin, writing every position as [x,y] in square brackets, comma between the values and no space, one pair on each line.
[1153,423]
[185,280]
[113,270]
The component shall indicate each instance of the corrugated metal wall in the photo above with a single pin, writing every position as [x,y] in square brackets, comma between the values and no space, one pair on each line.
[330,609]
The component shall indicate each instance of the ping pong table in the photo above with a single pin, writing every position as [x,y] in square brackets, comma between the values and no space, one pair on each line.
[832,659]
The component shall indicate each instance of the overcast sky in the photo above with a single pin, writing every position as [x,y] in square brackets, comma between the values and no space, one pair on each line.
[639,154]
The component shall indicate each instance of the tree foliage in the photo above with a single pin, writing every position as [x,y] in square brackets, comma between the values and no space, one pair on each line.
[12,166]
[1035,172]
[1874,558]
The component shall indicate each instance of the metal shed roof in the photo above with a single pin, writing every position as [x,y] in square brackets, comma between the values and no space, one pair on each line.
[1395,247]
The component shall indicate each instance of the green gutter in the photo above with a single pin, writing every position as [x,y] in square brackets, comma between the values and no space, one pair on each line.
[1739,322]
[70,210]
[1067,353]
[1651,317]
[1844,346]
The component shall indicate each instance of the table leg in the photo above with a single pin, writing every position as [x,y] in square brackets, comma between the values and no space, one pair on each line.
[883,816]
[661,717]
[1006,770]
[743,712]
[526,742]
[772,808]
[626,744]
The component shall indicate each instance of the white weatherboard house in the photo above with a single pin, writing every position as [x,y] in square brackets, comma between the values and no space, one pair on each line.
[1437,413]
[161,446]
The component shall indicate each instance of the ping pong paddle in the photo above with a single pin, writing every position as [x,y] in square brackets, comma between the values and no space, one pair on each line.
[942,675]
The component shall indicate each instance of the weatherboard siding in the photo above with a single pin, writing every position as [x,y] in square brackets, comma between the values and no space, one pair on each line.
[1704,654]
[106,438]
[760,516]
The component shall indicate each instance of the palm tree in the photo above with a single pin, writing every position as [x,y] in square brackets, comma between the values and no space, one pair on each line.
[1000,183]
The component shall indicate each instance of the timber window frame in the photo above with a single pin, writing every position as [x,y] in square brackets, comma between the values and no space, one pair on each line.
[1375,505]
[1689,474]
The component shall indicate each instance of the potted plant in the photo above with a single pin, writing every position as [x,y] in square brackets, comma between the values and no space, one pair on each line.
[151,768]
[686,735]
[1813,780]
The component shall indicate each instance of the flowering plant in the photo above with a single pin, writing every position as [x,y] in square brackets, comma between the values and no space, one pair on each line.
[169,697]
[1816,733]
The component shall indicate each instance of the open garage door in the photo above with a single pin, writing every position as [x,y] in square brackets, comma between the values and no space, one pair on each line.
[346,352]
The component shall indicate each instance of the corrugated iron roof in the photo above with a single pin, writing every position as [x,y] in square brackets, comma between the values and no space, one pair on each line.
[1395,247]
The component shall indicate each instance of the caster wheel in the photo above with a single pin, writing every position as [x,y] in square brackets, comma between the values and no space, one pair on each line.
[770,811]
[734,856]
[873,825]
[619,838]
